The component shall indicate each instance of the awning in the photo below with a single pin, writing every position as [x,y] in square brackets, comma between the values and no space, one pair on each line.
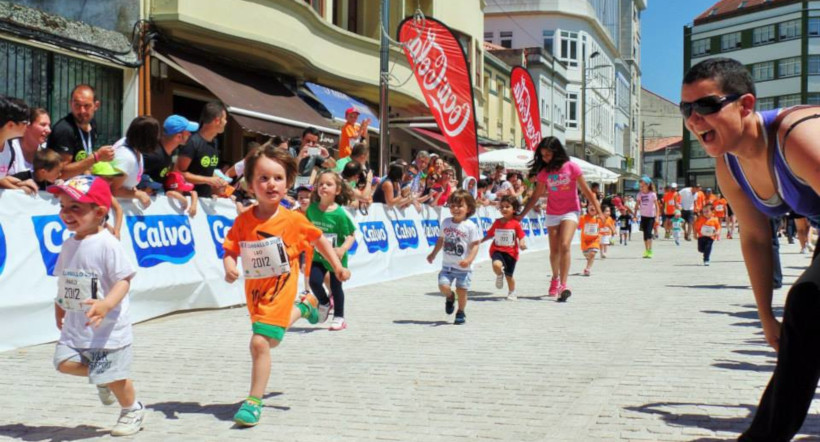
[258,103]
[437,136]
[338,102]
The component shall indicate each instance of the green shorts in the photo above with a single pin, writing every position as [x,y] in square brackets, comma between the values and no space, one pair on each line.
[269,331]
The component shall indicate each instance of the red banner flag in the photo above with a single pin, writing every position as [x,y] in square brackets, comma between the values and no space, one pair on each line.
[526,103]
[443,73]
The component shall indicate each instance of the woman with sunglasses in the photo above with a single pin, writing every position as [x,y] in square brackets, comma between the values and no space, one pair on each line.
[767,164]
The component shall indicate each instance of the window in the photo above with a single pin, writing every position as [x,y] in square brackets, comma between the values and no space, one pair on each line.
[789,67]
[549,36]
[569,48]
[814,27]
[790,29]
[763,35]
[488,37]
[814,64]
[813,99]
[657,169]
[730,42]
[316,5]
[764,104]
[506,39]
[572,110]
[763,71]
[789,100]
[701,47]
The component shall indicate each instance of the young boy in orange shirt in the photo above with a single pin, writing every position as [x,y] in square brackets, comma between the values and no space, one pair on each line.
[607,230]
[590,226]
[720,207]
[707,229]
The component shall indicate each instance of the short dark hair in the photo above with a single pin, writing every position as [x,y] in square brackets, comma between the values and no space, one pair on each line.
[210,112]
[351,170]
[84,86]
[731,76]
[462,195]
[512,201]
[143,134]
[278,155]
[46,159]
[516,174]
[35,112]
[12,109]
[277,140]
[310,130]
[359,149]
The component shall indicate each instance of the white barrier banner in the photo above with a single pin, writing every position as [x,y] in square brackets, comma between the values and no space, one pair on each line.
[179,258]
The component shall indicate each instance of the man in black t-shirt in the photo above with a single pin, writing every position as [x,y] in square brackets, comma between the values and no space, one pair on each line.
[73,137]
[199,157]
[175,132]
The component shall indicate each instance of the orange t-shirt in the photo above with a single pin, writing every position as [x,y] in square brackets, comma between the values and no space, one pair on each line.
[347,139]
[270,300]
[699,201]
[608,228]
[720,208]
[590,232]
[671,202]
[707,227]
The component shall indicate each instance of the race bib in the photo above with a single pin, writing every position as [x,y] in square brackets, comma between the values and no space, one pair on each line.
[624,224]
[74,287]
[302,181]
[719,208]
[264,259]
[504,238]
[606,231]
[707,231]
[591,229]
[331,238]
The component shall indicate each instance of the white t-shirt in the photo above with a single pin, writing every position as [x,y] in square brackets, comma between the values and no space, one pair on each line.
[239,167]
[457,239]
[102,255]
[5,160]
[126,161]
[20,164]
[687,200]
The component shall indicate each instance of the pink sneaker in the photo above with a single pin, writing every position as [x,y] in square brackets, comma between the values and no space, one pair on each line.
[565,293]
[553,288]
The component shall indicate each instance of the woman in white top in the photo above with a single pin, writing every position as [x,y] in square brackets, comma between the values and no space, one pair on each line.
[141,137]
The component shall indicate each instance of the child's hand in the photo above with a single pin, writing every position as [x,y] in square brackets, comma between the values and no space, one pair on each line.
[59,314]
[431,257]
[231,273]
[143,198]
[522,246]
[96,314]
[192,211]
[339,252]
[342,274]
[465,263]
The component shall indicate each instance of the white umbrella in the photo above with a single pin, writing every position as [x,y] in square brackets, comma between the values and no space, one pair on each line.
[519,159]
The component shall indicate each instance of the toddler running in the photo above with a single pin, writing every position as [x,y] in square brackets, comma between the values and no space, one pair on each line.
[590,225]
[707,229]
[508,237]
[678,223]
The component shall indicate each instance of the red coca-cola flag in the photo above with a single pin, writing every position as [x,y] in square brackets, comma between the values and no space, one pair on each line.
[443,73]
[526,103]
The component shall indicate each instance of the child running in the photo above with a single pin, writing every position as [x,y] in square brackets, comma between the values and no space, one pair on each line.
[677,222]
[508,237]
[561,178]
[707,229]
[624,224]
[607,230]
[648,208]
[460,239]
[91,309]
[330,195]
[590,225]
[269,239]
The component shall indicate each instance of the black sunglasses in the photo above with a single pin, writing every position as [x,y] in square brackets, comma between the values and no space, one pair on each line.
[706,105]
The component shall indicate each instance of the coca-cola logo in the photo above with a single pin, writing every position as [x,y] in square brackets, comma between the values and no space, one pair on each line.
[431,64]
[523,102]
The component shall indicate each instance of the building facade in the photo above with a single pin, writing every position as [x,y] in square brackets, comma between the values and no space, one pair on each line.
[599,43]
[778,40]
[661,128]
[496,115]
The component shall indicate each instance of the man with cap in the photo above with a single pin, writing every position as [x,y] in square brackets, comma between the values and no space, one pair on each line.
[175,132]
[352,133]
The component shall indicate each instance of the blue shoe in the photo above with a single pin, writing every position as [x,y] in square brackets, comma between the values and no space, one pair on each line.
[248,414]
[461,318]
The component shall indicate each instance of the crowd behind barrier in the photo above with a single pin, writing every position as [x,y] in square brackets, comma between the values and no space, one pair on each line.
[178,257]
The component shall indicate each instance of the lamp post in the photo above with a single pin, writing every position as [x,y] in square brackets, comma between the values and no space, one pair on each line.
[643,145]
[584,102]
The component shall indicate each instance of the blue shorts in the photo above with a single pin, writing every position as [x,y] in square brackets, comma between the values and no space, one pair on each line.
[461,278]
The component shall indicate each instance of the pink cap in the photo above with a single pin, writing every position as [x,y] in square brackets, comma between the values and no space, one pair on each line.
[352,110]
[85,189]
[175,181]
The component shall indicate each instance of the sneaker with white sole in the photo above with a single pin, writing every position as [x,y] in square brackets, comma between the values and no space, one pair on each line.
[324,311]
[499,281]
[553,291]
[338,324]
[130,422]
[512,296]
[105,394]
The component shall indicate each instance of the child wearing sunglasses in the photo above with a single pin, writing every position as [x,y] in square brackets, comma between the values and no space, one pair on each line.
[766,164]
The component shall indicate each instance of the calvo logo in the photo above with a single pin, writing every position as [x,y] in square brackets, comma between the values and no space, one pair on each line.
[525,225]
[219,226]
[161,238]
[374,235]
[536,226]
[2,250]
[432,230]
[51,233]
[486,223]
[406,234]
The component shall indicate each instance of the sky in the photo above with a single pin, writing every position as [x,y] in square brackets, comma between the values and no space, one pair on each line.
[662,43]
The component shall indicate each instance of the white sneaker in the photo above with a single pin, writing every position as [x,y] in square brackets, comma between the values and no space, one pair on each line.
[338,323]
[105,394]
[512,296]
[499,281]
[130,422]
[804,250]
[324,310]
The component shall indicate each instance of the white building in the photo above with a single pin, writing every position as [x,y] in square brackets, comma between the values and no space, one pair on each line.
[599,42]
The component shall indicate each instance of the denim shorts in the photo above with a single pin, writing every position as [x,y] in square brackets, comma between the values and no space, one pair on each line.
[461,278]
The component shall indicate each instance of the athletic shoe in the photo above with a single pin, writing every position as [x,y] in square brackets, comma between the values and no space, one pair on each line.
[677,242]
[650,254]
[729,235]
[566,292]
[130,422]
[646,254]
[499,281]
[324,311]
[248,414]
[603,256]
[587,272]
[804,250]
[105,394]
[338,323]
[449,304]
[553,287]
[706,263]
[461,318]
[512,296]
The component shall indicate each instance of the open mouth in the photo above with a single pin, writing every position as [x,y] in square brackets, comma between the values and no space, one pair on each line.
[707,136]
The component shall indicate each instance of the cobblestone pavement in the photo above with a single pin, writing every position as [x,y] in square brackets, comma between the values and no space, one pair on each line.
[655,350]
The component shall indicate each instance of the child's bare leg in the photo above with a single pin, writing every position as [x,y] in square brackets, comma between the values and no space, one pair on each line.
[590,259]
[73,368]
[446,290]
[462,298]
[510,283]
[260,353]
[498,267]
[124,392]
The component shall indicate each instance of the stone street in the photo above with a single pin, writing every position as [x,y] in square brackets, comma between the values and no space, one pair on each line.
[652,350]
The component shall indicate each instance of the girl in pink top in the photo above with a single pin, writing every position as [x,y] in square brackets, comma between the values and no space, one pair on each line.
[560,178]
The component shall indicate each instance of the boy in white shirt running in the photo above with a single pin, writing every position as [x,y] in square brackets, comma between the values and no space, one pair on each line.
[91,307]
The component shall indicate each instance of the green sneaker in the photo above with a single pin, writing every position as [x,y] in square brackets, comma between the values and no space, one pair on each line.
[650,253]
[646,253]
[309,312]
[248,414]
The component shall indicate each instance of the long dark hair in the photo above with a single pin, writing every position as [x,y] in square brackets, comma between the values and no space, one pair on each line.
[143,134]
[559,156]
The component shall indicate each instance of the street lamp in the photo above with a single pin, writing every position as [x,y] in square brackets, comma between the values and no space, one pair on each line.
[584,101]
[643,145]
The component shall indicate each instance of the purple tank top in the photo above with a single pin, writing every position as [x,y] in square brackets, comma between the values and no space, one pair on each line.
[792,194]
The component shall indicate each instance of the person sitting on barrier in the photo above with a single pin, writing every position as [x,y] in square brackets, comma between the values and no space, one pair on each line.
[177,188]
[445,183]
[141,137]
[32,140]
[47,168]
[106,171]
[388,192]
[270,239]
[359,183]
[14,115]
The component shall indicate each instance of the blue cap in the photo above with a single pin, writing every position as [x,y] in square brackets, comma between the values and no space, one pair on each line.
[177,123]
[646,179]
